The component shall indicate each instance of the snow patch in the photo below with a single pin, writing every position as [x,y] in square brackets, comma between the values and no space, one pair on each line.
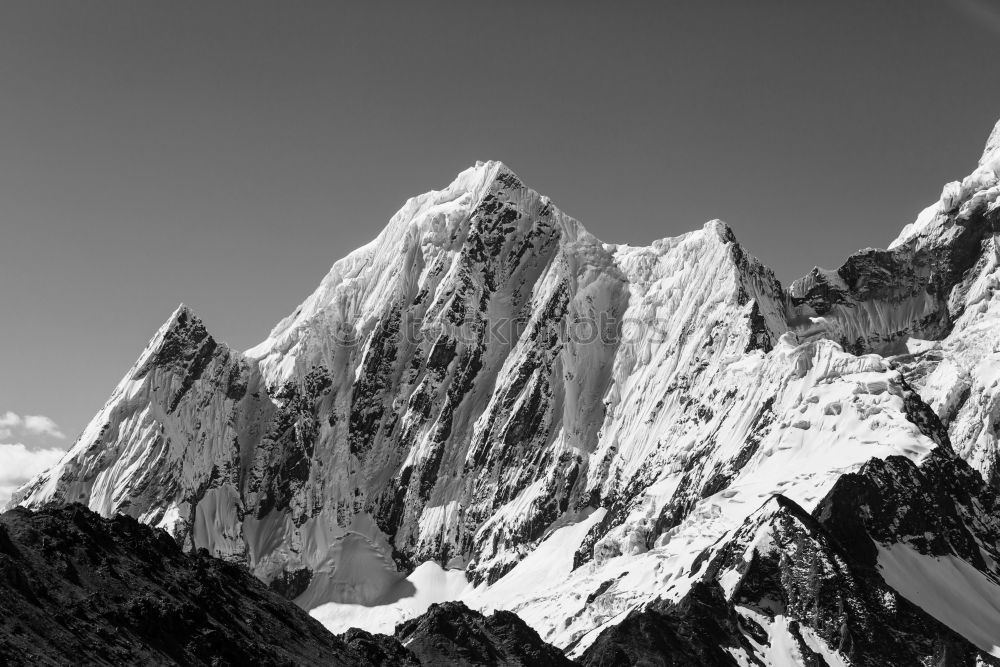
[949,589]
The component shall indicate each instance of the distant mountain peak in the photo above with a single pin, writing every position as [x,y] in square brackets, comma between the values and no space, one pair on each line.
[959,201]
[181,337]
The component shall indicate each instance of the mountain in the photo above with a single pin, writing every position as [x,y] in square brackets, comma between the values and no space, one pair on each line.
[79,589]
[488,404]
[929,300]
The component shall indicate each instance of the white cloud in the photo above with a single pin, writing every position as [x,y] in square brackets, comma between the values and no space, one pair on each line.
[12,423]
[18,464]
[9,419]
[42,425]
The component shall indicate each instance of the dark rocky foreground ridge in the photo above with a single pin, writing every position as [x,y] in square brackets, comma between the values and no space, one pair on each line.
[79,589]
[451,634]
[76,588]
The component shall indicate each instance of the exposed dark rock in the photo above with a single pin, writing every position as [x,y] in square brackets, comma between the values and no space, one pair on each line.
[694,631]
[368,394]
[942,507]
[76,588]
[805,575]
[910,273]
[452,634]
[380,649]
[291,584]
[79,589]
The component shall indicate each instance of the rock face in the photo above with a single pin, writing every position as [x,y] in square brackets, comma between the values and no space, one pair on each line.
[76,588]
[79,589]
[452,634]
[488,404]
[700,629]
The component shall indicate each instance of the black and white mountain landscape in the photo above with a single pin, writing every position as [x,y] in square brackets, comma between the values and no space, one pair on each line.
[489,437]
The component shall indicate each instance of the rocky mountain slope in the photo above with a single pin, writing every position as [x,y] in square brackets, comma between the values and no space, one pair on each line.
[79,589]
[887,570]
[451,634]
[488,404]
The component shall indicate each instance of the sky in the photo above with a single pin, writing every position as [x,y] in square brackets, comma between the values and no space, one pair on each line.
[225,154]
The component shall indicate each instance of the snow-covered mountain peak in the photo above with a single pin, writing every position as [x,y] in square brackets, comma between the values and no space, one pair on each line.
[960,201]
[181,338]
[180,311]
[442,231]
[722,229]
[932,300]
[473,182]
[181,377]
[451,347]
[485,220]
[991,152]
[182,317]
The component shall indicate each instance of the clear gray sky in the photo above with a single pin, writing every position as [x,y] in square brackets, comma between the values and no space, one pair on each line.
[225,154]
